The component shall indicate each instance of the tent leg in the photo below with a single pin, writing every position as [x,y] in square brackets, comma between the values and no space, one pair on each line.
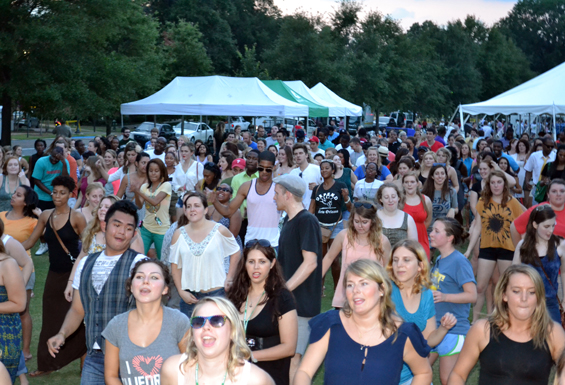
[461,121]
[154,120]
[182,125]
[554,126]
[122,117]
[455,113]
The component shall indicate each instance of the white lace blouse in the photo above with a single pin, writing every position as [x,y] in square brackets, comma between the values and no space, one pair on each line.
[202,264]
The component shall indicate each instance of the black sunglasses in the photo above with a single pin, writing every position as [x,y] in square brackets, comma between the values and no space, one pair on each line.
[261,242]
[363,204]
[226,189]
[216,321]
[267,169]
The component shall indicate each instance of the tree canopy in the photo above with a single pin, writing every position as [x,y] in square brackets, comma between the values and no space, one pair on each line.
[71,59]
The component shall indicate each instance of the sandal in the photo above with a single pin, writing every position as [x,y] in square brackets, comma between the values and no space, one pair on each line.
[39,373]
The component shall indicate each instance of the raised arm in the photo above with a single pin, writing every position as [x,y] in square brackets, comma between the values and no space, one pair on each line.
[234,204]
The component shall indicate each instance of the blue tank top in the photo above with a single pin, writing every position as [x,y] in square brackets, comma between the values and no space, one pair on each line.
[551,267]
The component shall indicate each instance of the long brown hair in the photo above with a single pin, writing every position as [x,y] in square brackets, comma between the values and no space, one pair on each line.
[422,280]
[486,195]
[375,231]
[429,187]
[274,284]
[528,251]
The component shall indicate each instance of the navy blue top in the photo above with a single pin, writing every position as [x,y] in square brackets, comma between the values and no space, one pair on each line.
[345,356]
[551,267]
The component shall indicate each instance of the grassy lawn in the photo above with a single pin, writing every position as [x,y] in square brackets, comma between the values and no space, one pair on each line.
[21,134]
[71,373]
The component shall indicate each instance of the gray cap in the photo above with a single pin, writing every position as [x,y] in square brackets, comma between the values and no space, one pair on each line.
[293,183]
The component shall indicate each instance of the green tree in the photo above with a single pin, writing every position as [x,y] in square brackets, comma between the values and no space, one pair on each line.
[184,51]
[250,66]
[538,29]
[76,60]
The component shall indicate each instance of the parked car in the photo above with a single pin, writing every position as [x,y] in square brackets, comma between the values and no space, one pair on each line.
[142,133]
[238,121]
[195,131]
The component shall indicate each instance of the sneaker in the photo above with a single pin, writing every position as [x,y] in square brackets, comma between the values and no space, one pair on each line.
[42,249]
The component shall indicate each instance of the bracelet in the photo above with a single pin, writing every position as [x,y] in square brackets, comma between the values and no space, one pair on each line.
[347,201]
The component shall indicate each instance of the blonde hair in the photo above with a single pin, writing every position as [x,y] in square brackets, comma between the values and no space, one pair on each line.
[541,323]
[239,352]
[414,174]
[371,270]
[447,154]
[94,227]
[422,280]
[90,188]
[378,162]
[375,231]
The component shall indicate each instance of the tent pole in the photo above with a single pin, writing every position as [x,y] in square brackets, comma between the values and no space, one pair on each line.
[122,117]
[182,125]
[455,113]
[554,126]
[154,120]
[461,121]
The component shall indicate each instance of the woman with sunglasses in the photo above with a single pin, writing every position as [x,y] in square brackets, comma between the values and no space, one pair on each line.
[363,238]
[140,340]
[545,252]
[197,254]
[496,210]
[268,309]
[216,352]
[232,222]
[366,342]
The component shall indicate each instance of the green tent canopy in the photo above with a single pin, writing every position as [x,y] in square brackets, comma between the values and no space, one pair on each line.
[286,92]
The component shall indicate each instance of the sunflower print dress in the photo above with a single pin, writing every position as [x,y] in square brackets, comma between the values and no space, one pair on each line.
[10,338]
[496,220]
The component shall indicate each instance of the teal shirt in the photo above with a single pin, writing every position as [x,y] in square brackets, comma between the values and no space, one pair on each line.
[327,144]
[45,172]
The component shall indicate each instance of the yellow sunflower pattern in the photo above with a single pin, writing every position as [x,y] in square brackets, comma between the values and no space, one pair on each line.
[496,221]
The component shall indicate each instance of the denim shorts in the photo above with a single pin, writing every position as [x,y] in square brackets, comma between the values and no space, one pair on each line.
[187,309]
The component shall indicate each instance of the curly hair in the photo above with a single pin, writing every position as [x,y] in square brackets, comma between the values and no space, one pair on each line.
[371,270]
[65,181]
[31,200]
[375,231]
[541,323]
[274,284]
[238,351]
[422,279]
[486,195]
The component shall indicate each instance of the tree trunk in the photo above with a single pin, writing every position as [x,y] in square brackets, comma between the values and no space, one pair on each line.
[6,119]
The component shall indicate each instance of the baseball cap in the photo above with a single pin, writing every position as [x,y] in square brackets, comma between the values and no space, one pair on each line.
[423,148]
[239,163]
[293,183]
[315,139]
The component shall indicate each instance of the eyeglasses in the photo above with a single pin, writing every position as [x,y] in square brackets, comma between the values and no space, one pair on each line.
[363,204]
[261,242]
[543,207]
[226,189]
[267,169]
[216,321]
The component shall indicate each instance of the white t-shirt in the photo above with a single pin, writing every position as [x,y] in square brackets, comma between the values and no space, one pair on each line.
[101,270]
[311,174]
[339,147]
[360,161]
[322,152]
[152,155]
[367,191]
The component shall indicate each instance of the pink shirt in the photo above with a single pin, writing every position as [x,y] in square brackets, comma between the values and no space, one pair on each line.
[348,256]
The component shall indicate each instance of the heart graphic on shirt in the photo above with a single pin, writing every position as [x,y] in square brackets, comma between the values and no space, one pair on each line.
[147,366]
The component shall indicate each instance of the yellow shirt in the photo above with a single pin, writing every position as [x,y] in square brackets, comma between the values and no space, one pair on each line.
[161,211]
[496,221]
[19,229]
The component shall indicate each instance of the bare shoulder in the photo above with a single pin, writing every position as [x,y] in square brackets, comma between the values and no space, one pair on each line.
[225,231]
[176,236]
[169,372]
[258,376]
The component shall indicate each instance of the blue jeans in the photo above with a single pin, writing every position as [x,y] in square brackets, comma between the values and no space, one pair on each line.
[187,309]
[553,309]
[93,369]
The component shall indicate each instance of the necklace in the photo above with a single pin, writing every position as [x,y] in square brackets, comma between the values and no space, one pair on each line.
[196,375]
[245,319]
[8,187]
[366,347]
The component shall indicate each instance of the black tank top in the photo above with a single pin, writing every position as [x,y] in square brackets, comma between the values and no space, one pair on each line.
[59,261]
[506,362]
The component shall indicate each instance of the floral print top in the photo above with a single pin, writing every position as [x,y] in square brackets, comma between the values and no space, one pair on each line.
[496,220]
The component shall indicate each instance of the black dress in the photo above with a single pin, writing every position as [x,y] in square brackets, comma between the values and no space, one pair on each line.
[264,329]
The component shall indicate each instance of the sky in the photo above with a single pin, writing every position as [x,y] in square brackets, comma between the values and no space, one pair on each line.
[414,11]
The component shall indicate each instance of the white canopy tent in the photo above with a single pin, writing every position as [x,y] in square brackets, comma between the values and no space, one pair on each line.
[298,86]
[329,96]
[215,95]
[541,95]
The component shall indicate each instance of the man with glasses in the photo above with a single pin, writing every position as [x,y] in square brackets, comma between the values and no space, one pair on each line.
[100,293]
[262,214]
[536,162]
[300,256]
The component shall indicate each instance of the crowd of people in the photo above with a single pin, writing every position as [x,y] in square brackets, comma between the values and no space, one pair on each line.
[187,263]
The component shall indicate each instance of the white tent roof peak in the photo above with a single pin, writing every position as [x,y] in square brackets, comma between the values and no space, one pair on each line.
[215,95]
[325,93]
[335,109]
[541,95]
